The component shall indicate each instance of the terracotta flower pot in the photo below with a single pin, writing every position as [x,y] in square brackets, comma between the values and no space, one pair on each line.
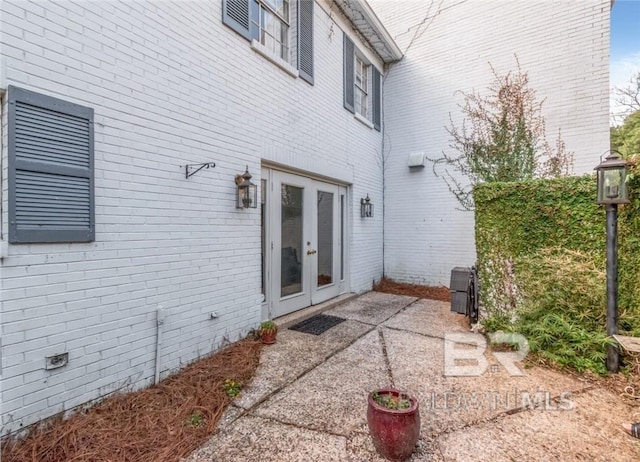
[394,431]
[268,336]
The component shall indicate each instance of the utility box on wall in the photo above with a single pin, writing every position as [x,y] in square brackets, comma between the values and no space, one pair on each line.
[459,286]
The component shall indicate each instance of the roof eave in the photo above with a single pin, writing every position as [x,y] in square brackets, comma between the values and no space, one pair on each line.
[391,52]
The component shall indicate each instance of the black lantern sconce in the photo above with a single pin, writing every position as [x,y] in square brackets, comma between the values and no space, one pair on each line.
[612,190]
[247,191]
[612,180]
[366,207]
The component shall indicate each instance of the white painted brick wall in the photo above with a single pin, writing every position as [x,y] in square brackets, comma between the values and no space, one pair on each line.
[170,85]
[564,47]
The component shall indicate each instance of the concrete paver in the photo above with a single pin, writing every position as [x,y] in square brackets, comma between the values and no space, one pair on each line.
[417,364]
[373,307]
[429,317]
[307,401]
[330,397]
[253,438]
[294,354]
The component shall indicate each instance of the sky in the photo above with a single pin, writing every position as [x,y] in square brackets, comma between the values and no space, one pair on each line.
[625,43]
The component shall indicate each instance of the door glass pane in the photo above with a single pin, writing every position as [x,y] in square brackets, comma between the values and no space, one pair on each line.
[325,238]
[291,250]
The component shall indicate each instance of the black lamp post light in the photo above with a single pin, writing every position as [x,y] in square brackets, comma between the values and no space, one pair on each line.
[612,190]
[247,191]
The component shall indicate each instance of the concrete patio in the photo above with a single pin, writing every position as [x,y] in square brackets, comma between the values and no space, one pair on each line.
[307,401]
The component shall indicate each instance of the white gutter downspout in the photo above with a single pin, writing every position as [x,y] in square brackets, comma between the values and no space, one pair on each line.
[159,324]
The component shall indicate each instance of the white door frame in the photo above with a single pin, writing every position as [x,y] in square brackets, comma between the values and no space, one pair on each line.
[310,293]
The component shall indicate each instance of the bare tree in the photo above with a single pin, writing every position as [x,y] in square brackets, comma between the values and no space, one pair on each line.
[502,138]
[627,99]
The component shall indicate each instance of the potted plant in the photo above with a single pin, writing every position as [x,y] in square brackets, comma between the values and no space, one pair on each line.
[394,422]
[268,331]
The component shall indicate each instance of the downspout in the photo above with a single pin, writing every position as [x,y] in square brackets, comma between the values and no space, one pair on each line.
[159,324]
[384,174]
[384,166]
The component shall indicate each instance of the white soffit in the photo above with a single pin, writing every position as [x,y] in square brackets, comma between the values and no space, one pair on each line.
[365,20]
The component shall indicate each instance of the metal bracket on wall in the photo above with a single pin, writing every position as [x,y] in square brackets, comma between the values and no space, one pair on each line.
[192,169]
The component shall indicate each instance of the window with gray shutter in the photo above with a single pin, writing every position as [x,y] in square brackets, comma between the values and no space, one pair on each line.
[348,74]
[377,97]
[235,14]
[305,40]
[51,197]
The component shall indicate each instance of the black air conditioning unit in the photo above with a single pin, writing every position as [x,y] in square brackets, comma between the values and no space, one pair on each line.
[459,287]
[464,291]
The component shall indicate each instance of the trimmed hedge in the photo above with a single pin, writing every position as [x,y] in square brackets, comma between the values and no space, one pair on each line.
[516,220]
[541,247]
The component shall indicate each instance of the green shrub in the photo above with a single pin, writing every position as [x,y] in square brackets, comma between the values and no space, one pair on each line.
[541,261]
[561,308]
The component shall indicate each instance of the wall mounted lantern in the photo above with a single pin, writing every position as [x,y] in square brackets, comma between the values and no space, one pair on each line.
[612,190]
[366,207]
[247,191]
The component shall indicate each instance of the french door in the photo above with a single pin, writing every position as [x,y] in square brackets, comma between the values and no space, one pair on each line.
[307,232]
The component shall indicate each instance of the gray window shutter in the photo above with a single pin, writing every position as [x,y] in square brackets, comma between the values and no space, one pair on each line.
[377,97]
[51,184]
[348,74]
[305,39]
[235,14]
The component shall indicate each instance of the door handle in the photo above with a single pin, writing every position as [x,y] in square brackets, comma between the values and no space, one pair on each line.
[312,252]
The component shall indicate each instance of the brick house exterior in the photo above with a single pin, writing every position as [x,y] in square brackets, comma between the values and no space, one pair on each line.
[306,98]
[564,48]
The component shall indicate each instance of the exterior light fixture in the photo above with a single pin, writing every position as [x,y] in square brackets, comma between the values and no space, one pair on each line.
[247,191]
[366,207]
[612,184]
[612,190]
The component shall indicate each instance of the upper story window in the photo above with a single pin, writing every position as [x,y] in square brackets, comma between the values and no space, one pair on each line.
[268,26]
[362,86]
[272,23]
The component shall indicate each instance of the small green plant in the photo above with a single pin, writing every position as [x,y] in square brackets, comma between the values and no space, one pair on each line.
[390,401]
[232,388]
[195,420]
[268,325]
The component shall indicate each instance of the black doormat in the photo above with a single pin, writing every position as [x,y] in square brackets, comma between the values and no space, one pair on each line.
[317,324]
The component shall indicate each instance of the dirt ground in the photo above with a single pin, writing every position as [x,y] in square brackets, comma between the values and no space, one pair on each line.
[389,286]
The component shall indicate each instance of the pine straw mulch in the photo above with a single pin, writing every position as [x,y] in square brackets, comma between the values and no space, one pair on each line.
[161,423]
[390,286]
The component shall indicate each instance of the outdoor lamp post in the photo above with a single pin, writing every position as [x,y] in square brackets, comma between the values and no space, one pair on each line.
[247,191]
[612,190]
